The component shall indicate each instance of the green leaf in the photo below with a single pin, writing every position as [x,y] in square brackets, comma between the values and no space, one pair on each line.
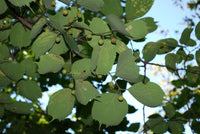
[92,5]
[4,81]
[3,7]
[97,25]
[106,58]
[192,75]
[43,43]
[5,98]
[167,45]
[19,36]
[149,51]
[61,104]
[4,34]
[81,25]
[109,110]
[185,36]
[120,46]
[47,4]
[67,2]
[137,8]
[59,48]
[94,41]
[30,89]
[175,127]
[117,25]
[12,70]
[197,57]
[180,55]
[137,29]
[30,67]
[20,3]
[169,110]
[1,110]
[170,62]
[19,107]
[197,31]
[134,127]
[4,52]
[151,24]
[50,63]
[191,42]
[126,67]
[157,125]
[149,94]
[81,68]
[37,28]
[85,91]
[112,7]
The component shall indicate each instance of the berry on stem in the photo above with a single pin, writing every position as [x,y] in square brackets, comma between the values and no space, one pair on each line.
[53,3]
[65,12]
[100,42]
[113,40]
[121,98]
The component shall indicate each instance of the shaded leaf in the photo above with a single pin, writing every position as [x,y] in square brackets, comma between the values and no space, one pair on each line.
[134,127]
[37,28]
[92,5]
[12,70]
[120,46]
[30,89]
[170,62]
[109,110]
[30,67]
[1,110]
[126,67]
[81,68]
[169,110]
[149,94]
[112,7]
[175,127]
[180,55]
[67,2]
[197,57]
[85,91]
[20,3]
[19,107]
[61,104]
[117,25]
[197,30]
[137,8]
[43,43]
[47,4]
[4,52]
[4,34]
[5,98]
[185,36]
[3,7]
[4,81]
[19,36]
[50,63]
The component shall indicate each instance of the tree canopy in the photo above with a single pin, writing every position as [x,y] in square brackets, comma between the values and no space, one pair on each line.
[76,47]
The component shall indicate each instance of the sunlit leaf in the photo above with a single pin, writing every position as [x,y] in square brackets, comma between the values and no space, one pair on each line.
[150,23]
[109,110]
[149,51]
[97,25]
[85,91]
[112,7]
[149,94]
[30,89]
[126,67]
[61,104]
[137,8]
[50,63]
[19,107]
[92,5]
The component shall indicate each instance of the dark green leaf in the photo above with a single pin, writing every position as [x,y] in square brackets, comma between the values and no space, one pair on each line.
[3,7]
[30,89]
[134,127]
[197,57]
[20,3]
[149,94]
[149,51]
[197,31]
[19,107]
[109,110]
[92,5]
[112,7]
[185,36]
[67,2]
[4,34]
[4,52]
[30,67]
[175,127]
[1,110]
[4,81]
[169,110]
[47,4]
[170,62]
[61,104]
[5,98]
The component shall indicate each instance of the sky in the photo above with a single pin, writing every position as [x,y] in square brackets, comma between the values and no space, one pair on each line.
[169,18]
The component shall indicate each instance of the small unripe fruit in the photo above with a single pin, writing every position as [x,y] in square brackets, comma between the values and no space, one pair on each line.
[53,3]
[70,20]
[89,36]
[173,54]
[57,39]
[64,71]
[73,92]
[111,84]
[167,50]
[7,19]
[79,15]
[121,98]
[99,76]
[65,12]
[69,31]
[113,41]
[100,42]
[71,85]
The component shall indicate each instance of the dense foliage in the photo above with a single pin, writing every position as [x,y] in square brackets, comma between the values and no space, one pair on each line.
[76,47]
